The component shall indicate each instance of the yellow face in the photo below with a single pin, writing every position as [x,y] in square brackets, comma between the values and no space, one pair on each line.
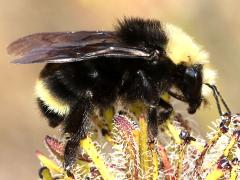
[182,48]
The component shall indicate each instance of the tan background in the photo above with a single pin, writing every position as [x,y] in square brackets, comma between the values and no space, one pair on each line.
[214,24]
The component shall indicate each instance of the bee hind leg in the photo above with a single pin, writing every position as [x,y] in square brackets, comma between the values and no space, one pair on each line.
[76,126]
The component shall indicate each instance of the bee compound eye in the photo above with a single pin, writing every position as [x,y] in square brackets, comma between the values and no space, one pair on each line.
[191,73]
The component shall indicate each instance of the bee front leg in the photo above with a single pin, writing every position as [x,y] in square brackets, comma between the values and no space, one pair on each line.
[76,126]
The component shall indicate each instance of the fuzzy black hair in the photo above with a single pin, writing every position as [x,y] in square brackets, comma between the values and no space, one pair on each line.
[137,30]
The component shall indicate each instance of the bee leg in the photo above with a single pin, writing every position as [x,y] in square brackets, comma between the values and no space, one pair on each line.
[157,115]
[76,125]
[166,111]
[149,95]
[142,83]
[142,88]
[153,121]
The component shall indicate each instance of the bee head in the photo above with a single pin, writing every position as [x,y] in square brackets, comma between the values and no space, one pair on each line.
[189,81]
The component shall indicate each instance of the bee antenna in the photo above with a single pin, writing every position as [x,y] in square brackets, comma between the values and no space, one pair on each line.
[216,98]
[223,101]
[217,95]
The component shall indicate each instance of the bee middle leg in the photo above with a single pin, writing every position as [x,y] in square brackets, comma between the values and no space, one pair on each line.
[153,121]
[166,111]
[140,86]
[158,114]
[76,126]
[159,110]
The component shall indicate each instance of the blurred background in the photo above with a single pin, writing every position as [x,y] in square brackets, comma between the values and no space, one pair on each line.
[214,24]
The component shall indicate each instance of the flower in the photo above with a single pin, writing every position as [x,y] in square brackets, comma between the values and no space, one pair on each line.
[129,153]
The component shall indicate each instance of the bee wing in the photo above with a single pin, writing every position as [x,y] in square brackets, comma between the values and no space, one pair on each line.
[61,47]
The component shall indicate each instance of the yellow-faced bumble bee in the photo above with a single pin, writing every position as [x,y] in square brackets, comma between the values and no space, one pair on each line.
[139,61]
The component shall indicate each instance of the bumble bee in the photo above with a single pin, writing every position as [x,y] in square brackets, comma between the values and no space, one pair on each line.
[87,70]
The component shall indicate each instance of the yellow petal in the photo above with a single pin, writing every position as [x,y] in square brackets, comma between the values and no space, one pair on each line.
[92,152]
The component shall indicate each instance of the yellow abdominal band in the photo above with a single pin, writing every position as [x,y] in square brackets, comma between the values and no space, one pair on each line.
[52,102]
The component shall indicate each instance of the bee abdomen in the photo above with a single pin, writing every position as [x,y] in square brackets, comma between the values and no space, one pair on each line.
[54,119]
[50,103]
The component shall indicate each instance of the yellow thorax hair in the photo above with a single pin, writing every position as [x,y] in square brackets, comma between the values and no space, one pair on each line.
[182,48]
